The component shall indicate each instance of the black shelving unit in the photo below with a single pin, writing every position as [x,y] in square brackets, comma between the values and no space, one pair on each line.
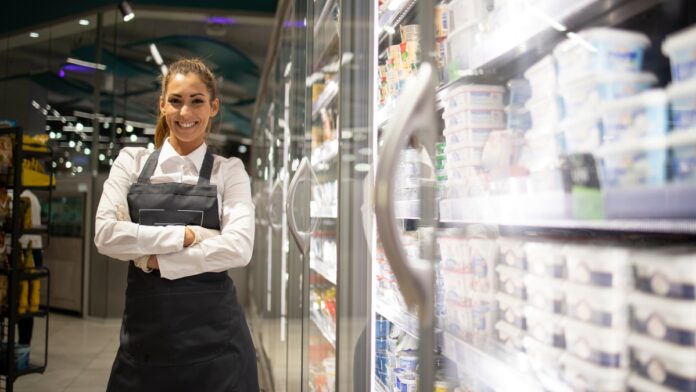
[14,273]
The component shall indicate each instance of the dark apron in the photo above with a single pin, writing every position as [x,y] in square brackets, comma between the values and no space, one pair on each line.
[187,334]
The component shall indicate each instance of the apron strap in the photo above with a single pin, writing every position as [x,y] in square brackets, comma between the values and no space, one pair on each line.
[149,168]
[206,169]
[151,164]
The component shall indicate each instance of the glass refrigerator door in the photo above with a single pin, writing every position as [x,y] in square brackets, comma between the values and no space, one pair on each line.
[561,158]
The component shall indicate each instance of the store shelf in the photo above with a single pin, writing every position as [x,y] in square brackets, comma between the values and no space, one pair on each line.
[392,312]
[30,187]
[323,269]
[325,98]
[36,231]
[39,272]
[489,366]
[37,154]
[330,337]
[394,16]
[409,209]
[26,315]
[541,211]
[29,370]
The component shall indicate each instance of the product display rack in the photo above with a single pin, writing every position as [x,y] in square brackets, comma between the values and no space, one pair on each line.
[14,273]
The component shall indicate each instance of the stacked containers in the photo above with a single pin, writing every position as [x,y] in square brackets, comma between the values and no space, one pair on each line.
[663,319]
[402,62]
[681,49]
[471,113]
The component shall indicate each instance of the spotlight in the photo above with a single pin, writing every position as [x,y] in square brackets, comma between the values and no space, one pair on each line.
[126,11]
[83,22]
[34,34]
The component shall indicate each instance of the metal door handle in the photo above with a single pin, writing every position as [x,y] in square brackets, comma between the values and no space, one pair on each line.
[276,227]
[301,238]
[411,114]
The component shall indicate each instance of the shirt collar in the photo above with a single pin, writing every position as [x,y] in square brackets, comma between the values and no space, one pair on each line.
[196,156]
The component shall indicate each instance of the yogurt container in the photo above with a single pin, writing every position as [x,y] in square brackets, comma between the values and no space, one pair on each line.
[635,117]
[666,273]
[545,294]
[456,283]
[669,320]
[466,136]
[545,359]
[512,252]
[492,117]
[465,96]
[484,254]
[463,154]
[454,253]
[545,111]
[408,384]
[511,310]
[542,77]
[545,327]
[680,47]
[639,384]
[382,328]
[633,163]
[520,91]
[585,94]
[510,336]
[471,318]
[664,364]
[598,306]
[408,360]
[511,281]
[683,155]
[605,347]
[585,376]
[682,100]
[600,50]
[582,133]
[545,259]
[598,266]
[518,118]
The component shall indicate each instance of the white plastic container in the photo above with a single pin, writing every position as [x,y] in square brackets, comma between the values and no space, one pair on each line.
[542,77]
[640,384]
[584,95]
[600,50]
[598,266]
[472,318]
[511,281]
[512,252]
[584,376]
[545,359]
[463,154]
[511,310]
[492,117]
[465,96]
[545,327]
[666,319]
[461,171]
[582,133]
[484,254]
[545,294]
[545,111]
[599,306]
[458,46]
[510,336]
[454,253]
[665,364]
[681,49]
[666,273]
[545,259]
[634,163]
[465,12]
[466,136]
[542,150]
[605,347]
[682,99]
[635,117]
[683,157]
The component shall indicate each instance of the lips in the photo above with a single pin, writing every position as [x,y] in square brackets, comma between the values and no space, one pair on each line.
[188,124]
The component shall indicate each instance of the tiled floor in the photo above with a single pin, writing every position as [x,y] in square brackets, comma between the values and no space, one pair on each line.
[80,355]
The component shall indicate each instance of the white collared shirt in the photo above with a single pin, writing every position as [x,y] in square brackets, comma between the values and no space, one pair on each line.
[125,240]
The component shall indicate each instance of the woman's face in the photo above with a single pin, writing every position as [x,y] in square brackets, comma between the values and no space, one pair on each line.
[187,108]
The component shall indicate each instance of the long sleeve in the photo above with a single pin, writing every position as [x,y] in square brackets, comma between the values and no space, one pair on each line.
[125,240]
[233,247]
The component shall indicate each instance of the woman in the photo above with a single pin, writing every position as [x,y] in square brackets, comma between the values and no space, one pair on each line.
[185,217]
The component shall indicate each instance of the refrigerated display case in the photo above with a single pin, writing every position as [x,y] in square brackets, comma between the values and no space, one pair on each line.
[551,203]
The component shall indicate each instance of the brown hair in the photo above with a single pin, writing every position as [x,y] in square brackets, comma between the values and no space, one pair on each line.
[184,67]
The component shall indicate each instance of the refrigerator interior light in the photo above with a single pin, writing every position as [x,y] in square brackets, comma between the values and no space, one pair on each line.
[536,12]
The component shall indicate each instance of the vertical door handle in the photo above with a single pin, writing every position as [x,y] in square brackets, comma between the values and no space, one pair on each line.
[301,238]
[276,227]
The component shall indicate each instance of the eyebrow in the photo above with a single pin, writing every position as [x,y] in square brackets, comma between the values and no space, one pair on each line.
[192,95]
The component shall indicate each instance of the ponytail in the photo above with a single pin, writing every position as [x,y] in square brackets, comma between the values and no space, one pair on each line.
[161,131]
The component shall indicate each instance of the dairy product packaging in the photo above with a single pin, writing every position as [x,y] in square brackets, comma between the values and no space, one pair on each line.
[510,336]
[511,281]
[633,163]
[635,117]
[682,100]
[598,266]
[680,47]
[600,50]
[458,44]
[584,95]
[664,319]
[512,252]
[582,133]
[545,112]
[511,310]
[545,294]
[471,319]
[605,347]
[479,116]
[458,137]
[666,273]
[585,376]
[598,306]
[667,365]
[466,12]
[542,78]
[683,155]
[547,328]
[469,95]
[545,259]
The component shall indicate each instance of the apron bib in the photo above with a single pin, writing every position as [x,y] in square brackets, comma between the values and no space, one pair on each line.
[188,334]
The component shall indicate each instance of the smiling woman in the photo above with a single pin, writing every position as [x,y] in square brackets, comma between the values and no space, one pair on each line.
[188,102]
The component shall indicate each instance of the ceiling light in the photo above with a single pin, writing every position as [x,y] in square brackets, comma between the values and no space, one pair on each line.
[150,146]
[156,54]
[102,157]
[79,126]
[87,151]
[134,138]
[34,34]
[83,22]
[71,144]
[68,165]
[86,63]
[126,11]
[163,69]
[129,128]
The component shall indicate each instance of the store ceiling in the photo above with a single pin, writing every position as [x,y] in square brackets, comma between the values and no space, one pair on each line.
[230,35]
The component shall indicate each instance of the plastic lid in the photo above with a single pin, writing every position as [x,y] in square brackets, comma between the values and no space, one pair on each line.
[616,36]
[663,349]
[682,89]
[649,98]
[646,302]
[644,144]
[678,40]
[474,87]
[608,77]
[681,138]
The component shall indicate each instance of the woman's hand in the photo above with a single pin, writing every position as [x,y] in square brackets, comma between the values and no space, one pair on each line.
[152,262]
[189,237]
